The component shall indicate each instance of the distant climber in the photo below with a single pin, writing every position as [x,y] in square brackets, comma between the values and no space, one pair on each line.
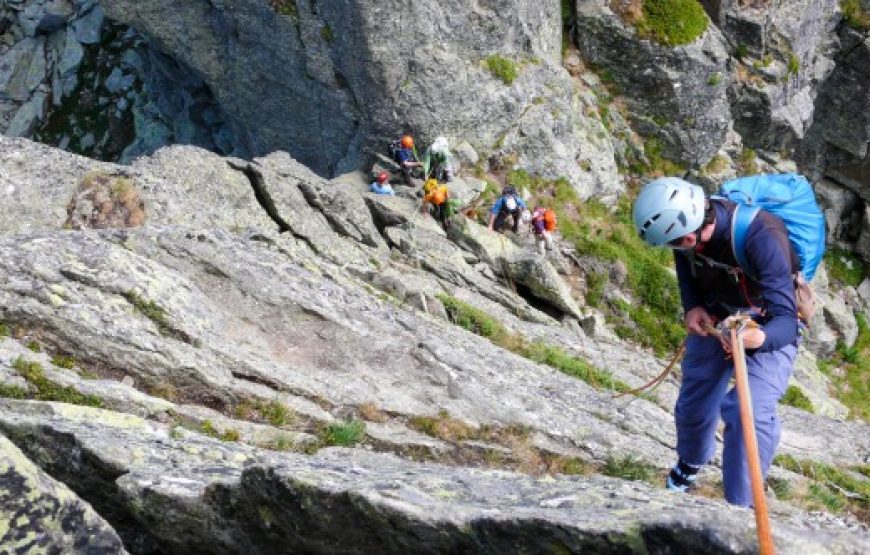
[508,204]
[435,201]
[543,224]
[381,185]
[439,162]
[674,213]
[403,153]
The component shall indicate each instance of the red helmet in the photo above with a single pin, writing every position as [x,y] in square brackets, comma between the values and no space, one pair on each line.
[407,141]
[382,177]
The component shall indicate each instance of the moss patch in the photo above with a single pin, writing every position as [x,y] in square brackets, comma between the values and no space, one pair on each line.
[46,390]
[285,7]
[672,22]
[794,397]
[843,266]
[502,68]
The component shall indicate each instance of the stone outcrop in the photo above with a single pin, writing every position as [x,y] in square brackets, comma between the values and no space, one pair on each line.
[359,74]
[780,61]
[676,94]
[201,494]
[41,514]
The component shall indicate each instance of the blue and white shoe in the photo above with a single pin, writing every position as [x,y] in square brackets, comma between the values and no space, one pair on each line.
[682,477]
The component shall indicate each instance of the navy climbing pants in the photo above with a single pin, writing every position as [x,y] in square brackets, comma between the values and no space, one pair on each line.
[704,396]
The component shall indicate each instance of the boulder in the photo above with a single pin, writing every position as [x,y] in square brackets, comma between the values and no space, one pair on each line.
[42,514]
[200,493]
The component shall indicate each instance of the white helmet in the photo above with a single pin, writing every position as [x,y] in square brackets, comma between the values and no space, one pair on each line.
[440,146]
[667,209]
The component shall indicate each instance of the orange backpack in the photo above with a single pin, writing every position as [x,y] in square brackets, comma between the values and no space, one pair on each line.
[549,219]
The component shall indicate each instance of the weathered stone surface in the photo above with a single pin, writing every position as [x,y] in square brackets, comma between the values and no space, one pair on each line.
[349,93]
[669,90]
[204,494]
[789,56]
[815,386]
[39,514]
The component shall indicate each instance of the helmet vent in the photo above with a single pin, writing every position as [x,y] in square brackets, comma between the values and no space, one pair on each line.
[668,230]
[674,193]
[682,218]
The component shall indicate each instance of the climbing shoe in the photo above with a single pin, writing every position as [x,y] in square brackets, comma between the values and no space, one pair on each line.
[682,477]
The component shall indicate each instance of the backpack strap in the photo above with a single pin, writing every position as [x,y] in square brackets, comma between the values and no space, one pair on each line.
[740,221]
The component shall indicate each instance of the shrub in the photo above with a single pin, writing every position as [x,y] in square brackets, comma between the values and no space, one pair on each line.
[502,68]
[343,433]
[714,79]
[741,52]
[672,22]
[794,397]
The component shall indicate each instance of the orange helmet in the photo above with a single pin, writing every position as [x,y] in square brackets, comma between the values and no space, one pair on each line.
[407,141]
[382,177]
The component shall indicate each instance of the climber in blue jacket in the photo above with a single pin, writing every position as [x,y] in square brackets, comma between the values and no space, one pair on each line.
[674,213]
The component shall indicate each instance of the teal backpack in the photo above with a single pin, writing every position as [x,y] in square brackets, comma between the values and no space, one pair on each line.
[788,196]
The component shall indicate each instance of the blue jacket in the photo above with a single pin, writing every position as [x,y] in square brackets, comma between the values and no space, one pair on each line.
[771,258]
[499,205]
[406,155]
[386,189]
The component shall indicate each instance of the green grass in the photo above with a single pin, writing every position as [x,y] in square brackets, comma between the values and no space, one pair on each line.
[794,397]
[46,390]
[747,163]
[741,52]
[4,330]
[855,15]
[12,392]
[844,267]
[852,386]
[629,468]
[34,346]
[714,79]
[229,434]
[502,68]
[672,22]
[794,64]
[63,361]
[781,488]
[659,163]
[654,321]
[831,488]
[481,323]
[343,433]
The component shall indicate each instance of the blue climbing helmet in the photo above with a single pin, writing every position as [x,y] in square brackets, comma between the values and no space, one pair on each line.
[666,209]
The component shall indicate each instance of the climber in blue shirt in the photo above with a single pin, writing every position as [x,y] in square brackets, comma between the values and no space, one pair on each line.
[674,213]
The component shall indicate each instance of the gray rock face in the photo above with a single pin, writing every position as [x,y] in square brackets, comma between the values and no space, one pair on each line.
[41,514]
[259,279]
[425,72]
[784,58]
[218,497]
[672,93]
